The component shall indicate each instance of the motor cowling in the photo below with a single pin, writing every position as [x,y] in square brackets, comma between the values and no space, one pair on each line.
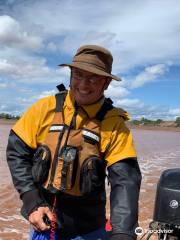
[167,202]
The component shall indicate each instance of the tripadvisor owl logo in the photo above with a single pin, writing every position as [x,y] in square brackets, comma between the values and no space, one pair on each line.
[139,231]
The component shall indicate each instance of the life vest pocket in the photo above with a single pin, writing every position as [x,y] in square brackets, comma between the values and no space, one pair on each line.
[67,170]
[41,164]
[92,175]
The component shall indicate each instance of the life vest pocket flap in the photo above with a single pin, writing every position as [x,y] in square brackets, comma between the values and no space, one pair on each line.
[92,175]
[69,155]
[41,164]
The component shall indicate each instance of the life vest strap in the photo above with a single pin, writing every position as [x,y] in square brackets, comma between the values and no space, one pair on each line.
[60,98]
[107,105]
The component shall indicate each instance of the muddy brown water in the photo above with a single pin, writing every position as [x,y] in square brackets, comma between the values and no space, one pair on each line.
[157,151]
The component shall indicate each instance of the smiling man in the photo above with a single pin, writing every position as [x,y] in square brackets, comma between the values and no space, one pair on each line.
[58,153]
[86,87]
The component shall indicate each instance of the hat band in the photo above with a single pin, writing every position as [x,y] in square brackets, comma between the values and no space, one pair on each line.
[94,65]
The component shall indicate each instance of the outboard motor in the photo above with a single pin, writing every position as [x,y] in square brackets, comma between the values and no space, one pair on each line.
[166,217]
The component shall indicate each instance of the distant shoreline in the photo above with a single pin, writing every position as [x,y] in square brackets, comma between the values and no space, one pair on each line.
[155,128]
[8,121]
[131,126]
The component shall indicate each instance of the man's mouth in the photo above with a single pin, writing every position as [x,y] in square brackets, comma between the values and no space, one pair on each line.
[83,92]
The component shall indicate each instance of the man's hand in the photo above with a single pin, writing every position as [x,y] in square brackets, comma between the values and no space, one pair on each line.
[36,218]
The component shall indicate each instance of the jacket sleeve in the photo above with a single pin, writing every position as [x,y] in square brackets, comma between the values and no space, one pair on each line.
[125,180]
[19,158]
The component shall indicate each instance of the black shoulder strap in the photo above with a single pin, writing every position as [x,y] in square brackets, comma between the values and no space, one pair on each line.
[61,87]
[60,97]
[107,105]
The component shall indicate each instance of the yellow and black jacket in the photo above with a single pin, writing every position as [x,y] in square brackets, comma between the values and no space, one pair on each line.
[79,214]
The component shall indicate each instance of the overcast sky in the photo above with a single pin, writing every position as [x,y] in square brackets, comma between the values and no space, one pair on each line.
[143,36]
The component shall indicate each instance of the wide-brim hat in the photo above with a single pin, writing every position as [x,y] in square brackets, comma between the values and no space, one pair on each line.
[94,59]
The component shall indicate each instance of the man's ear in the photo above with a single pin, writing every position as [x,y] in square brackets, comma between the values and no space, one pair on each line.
[107,83]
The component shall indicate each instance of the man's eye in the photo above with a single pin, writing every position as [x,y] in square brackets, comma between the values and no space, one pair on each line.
[78,74]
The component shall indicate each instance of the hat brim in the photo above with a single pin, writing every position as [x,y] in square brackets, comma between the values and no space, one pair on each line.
[88,68]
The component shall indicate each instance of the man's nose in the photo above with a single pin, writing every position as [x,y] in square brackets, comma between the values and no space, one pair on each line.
[84,82]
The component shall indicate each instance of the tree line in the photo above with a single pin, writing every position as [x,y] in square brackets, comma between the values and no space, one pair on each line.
[8,116]
[158,122]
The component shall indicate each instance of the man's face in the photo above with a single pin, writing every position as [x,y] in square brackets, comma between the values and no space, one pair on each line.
[86,87]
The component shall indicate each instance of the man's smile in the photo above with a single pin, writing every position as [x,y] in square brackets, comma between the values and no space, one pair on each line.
[83,92]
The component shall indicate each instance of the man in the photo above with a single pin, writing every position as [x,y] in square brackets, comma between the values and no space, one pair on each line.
[59,150]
